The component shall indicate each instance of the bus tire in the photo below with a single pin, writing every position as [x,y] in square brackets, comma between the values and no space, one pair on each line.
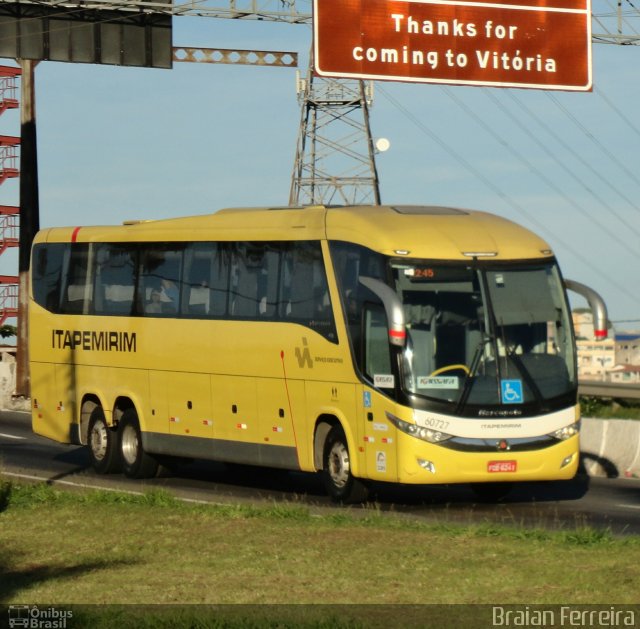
[136,463]
[340,483]
[102,442]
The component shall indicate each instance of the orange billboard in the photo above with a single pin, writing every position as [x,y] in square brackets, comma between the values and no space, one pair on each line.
[544,44]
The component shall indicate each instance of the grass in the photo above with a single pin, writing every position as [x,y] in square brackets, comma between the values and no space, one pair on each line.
[98,547]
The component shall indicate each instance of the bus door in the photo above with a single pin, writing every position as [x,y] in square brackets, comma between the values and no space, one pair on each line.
[379,440]
[379,433]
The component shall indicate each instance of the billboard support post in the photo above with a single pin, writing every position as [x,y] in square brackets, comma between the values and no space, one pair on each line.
[29,217]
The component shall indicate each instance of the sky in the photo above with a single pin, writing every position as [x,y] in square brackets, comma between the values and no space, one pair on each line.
[131,143]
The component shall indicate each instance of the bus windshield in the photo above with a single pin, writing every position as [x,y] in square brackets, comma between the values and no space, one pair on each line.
[478,334]
[485,335]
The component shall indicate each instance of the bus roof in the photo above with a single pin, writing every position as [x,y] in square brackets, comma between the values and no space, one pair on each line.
[417,231]
[434,232]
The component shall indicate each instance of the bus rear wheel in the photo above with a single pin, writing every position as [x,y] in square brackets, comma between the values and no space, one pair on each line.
[340,483]
[102,441]
[136,463]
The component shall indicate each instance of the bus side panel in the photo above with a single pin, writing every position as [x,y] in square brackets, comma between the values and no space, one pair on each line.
[67,388]
[338,400]
[46,419]
[157,402]
[171,427]
[303,424]
[235,409]
[190,405]
[282,418]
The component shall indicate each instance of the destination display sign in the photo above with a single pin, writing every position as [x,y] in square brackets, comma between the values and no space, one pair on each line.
[544,44]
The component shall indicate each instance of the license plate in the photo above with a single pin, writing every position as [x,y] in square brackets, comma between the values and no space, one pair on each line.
[502,466]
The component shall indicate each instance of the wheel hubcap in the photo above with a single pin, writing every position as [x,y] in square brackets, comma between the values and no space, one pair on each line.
[98,440]
[129,441]
[339,464]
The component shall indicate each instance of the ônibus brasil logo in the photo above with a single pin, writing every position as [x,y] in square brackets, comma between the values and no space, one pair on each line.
[31,616]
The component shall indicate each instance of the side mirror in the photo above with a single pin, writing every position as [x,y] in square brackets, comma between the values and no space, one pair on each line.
[597,305]
[393,308]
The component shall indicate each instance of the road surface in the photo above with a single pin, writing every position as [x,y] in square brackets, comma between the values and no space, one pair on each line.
[612,503]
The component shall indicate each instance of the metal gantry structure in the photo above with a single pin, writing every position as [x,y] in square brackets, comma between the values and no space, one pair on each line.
[335,157]
[612,22]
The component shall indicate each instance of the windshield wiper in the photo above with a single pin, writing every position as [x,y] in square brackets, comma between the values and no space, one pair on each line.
[475,362]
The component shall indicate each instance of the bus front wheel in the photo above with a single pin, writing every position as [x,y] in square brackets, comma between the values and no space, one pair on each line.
[136,463]
[339,482]
[102,441]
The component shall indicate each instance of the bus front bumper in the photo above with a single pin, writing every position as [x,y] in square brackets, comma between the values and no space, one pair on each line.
[424,463]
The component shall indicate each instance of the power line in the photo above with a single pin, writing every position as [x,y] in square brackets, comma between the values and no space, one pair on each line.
[592,138]
[572,151]
[541,227]
[569,172]
[630,124]
[528,164]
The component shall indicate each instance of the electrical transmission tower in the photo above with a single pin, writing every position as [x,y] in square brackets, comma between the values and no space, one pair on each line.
[334,161]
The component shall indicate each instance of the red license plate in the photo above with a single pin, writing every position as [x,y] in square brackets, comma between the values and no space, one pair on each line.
[502,466]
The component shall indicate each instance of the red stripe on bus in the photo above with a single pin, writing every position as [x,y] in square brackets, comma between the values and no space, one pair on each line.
[74,234]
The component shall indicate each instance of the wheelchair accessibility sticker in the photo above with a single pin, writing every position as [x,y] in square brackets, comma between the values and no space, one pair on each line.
[511,391]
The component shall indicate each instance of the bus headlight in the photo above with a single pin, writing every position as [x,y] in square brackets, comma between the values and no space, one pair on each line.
[426,434]
[566,432]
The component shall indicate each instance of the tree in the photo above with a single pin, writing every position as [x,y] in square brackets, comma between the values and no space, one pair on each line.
[7,331]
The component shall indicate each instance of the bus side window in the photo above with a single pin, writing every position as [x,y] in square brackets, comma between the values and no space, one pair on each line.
[47,274]
[350,263]
[220,281]
[304,296]
[77,292]
[115,279]
[255,274]
[301,294]
[160,284]
[199,296]
[268,281]
[245,266]
[198,268]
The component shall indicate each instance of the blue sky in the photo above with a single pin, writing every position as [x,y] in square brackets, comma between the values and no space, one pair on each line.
[130,143]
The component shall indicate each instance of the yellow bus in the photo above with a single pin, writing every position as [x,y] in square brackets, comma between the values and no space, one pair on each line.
[401,344]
